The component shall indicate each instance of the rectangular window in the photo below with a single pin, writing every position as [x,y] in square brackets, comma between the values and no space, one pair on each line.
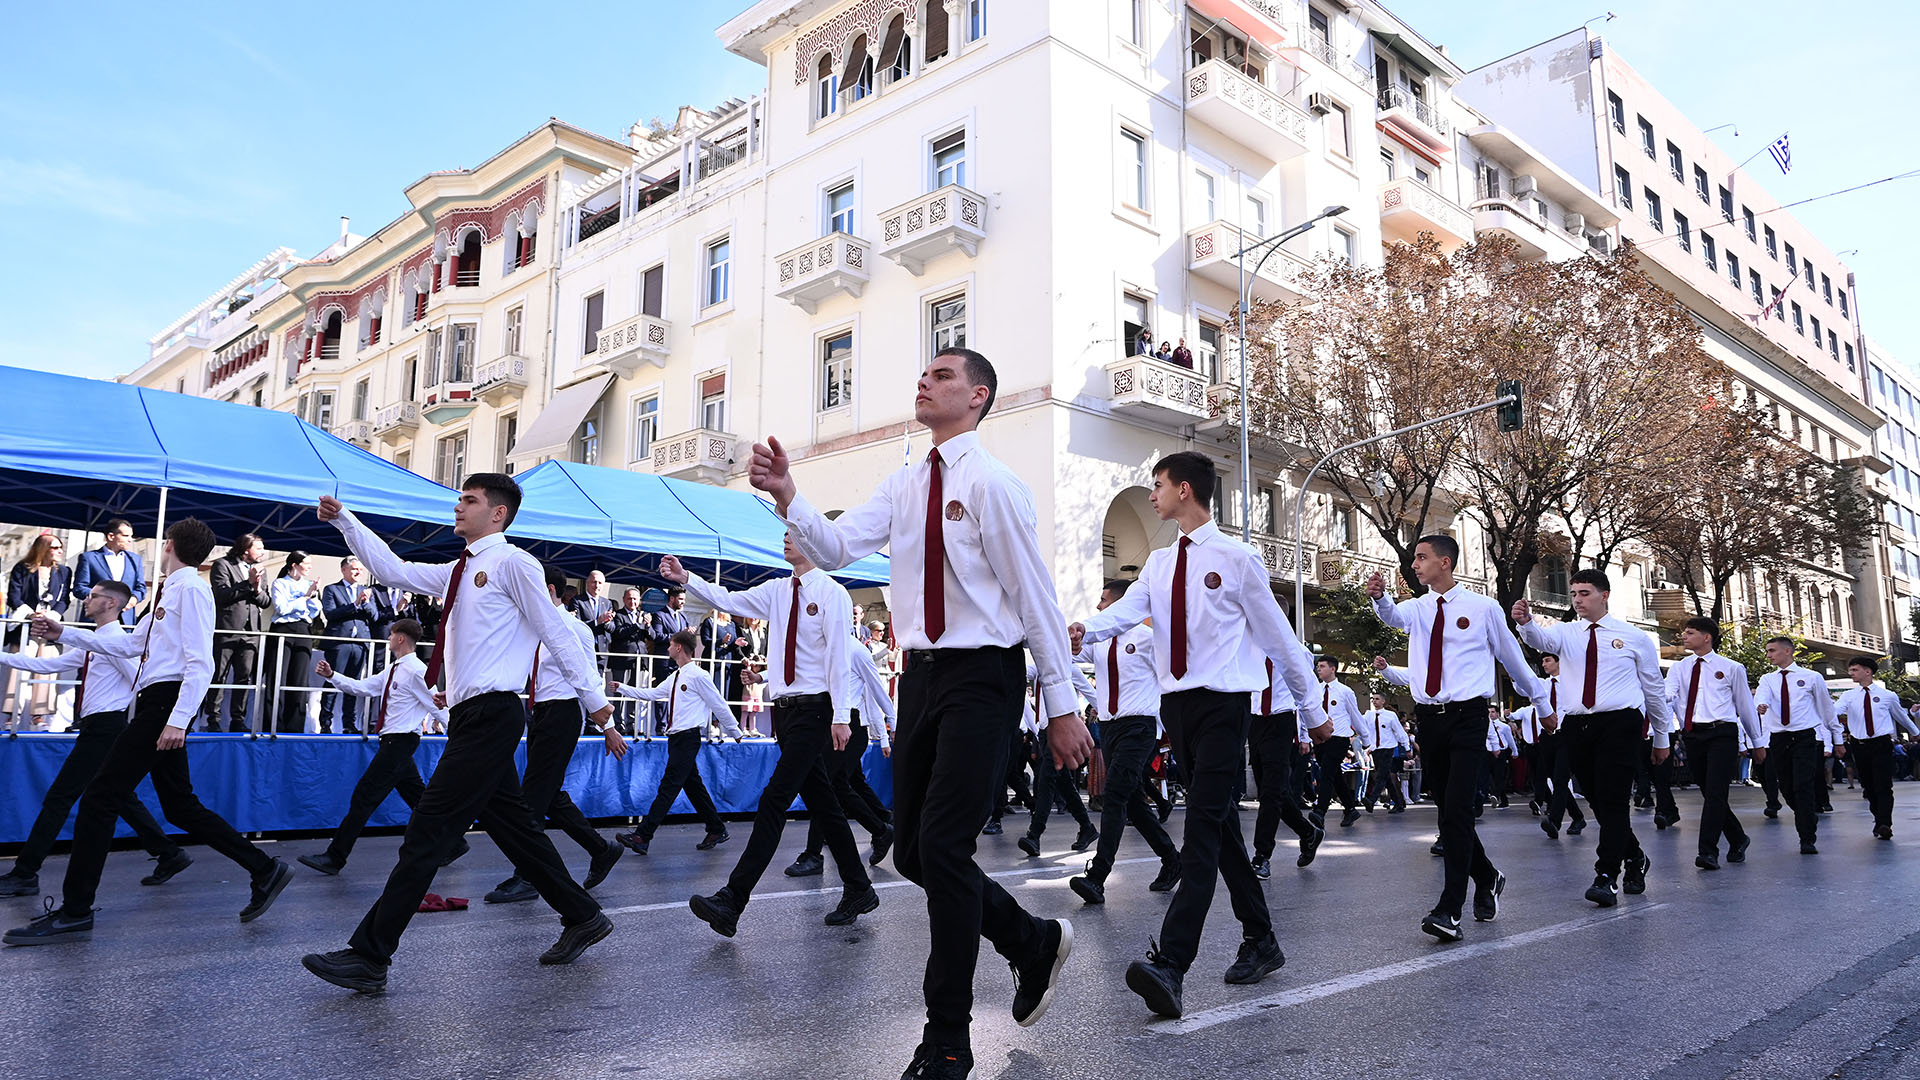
[1793,262]
[1733,269]
[1833,344]
[1726,204]
[1617,111]
[1205,190]
[1655,216]
[1753,286]
[947,324]
[1340,131]
[1799,320]
[450,459]
[1849,347]
[1843,304]
[840,209]
[460,363]
[1258,207]
[652,284]
[516,323]
[1826,288]
[836,371]
[713,402]
[433,359]
[976,19]
[1345,245]
[409,378]
[1646,135]
[949,157]
[322,409]
[1206,359]
[1133,168]
[1779,311]
[1700,184]
[403,458]
[1807,274]
[1137,22]
[1816,331]
[1773,244]
[1747,215]
[1389,162]
[1623,187]
[505,436]
[1707,247]
[360,391]
[1134,325]
[719,271]
[646,428]
[595,311]
[586,440]
[1675,163]
[1684,230]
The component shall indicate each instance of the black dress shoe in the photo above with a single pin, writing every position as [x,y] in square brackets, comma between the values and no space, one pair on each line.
[1157,982]
[52,928]
[165,869]
[1809,849]
[1486,902]
[1602,891]
[1737,851]
[1660,822]
[1548,827]
[349,969]
[1309,847]
[807,866]
[1634,880]
[1169,876]
[1437,849]
[323,862]
[1036,977]
[1030,845]
[1263,868]
[633,841]
[1441,925]
[601,865]
[1347,819]
[939,1063]
[882,844]
[1772,811]
[15,883]
[993,828]
[266,889]
[718,911]
[1086,838]
[1259,958]
[1577,827]
[514,890]
[1088,890]
[575,939]
[1706,861]
[852,906]
[712,840]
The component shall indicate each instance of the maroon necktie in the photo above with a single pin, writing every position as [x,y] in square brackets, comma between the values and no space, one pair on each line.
[1113,679]
[1178,631]
[386,698]
[533,680]
[434,672]
[1266,696]
[1693,691]
[1590,689]
[80,695]
[1866,695]
[793,632]
[933,592]
[1786,701]
[1436,647]
[1553,694]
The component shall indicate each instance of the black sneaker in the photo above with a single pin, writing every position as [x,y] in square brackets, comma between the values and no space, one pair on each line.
[1577,827]
[1036,978]
[1737,851]
[165,869]
[1634,879]
[52,928]
[1263,868]
[514,890]
[1087,889]
[807,866]
[1086,838]
[1157,982]
[1707,860]
[993,828]
[1031,845]
[1548,827]
[718,911]
[575,939]
[1310,846]
[266,889]
[1347,819]
[1602,891]
[882,844]
[1441,925]
[323,862]
[1807,848]
[1259,958]
[1169,877]
[852,906]
[1437,849]
[602,864]
[1486,902]
[1772,811]
[349,969]
[15,883]
[713,840]
[633,841]
[939,1063]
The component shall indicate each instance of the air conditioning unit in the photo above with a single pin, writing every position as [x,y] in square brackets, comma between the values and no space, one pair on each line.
[1576,223]
[1319,104]
[1524,185]
[1600,242]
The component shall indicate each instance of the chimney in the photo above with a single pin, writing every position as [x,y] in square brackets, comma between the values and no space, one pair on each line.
[343,228]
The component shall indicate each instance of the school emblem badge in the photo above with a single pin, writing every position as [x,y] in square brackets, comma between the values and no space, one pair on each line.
[1213,580]
[158,613]
[1463,623]
[955,511]
[480,579]
[1130,648]
[1618,644]
[813,609]
[1799,682]
[1719,674]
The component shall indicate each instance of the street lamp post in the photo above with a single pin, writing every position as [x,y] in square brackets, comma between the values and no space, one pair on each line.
[1271,244]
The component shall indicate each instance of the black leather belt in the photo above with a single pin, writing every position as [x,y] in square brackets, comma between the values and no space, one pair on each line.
[796,701]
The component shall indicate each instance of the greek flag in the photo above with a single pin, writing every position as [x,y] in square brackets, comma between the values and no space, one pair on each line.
[1782,154]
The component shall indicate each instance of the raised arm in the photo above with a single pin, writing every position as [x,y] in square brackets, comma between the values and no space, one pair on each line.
[526,586]
[1507,651]
[1395,675]
[1267,626]
[127,645]
[386,567]
[369,686]
[754,603]
[859,532]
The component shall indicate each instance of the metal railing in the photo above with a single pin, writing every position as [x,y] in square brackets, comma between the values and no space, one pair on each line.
[466,279]
[592,223]
[1393,97]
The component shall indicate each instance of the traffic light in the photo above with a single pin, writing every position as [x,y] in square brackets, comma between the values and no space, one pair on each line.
[1510,413]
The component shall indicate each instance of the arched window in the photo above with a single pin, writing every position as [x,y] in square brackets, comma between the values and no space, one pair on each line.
[330,336]
[370,310]
[896,52]
[858,76]
[934,18]
[829,87]
[466,267]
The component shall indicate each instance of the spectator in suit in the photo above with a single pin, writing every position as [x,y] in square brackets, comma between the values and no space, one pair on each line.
[860,631]
[241,601]
[717,634]
[628,638]
[596,610]
[667,622]
[350,612]
[114,560]
[390,605]
[296,612]
[38,584]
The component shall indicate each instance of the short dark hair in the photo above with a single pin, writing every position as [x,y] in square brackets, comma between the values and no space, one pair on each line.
[1705,626]
[242,544]
[675,590]
[979,372]
[1444,546]
[1591,576]
[688,641]
[1782,639]
[117,524]
[192,540]
[500,489]
[409,628]
[1191,468]
[116,589]
[1117,586]
[1555,655]
[1867,662]
[556,580]
[1327,660]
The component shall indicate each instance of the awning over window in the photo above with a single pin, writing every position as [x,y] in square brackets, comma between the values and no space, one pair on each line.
[553,429]
[1257,19]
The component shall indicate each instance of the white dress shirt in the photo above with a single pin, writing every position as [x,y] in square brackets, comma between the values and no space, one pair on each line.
[1033,717]
[108,678]
[1384,730]
[1338,704]
[116,564]
[1499,737]
[1807,705]
[820,647]
[173,642]
[695,702]
[875,701]
[997,588]
[1233,622]
[292,602]
[1627,672]
[1526,721]
[1723,696]
[502,613]
[550,680]
[1888,713]
[1276,697]
[1474,636]
[1131,654]
[402,690]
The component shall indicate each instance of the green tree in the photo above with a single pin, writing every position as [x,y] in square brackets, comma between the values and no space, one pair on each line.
[1345,617]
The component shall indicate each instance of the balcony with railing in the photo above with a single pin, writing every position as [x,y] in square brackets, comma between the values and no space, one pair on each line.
[466,279]
[357,432]
[817,269]
[594,222]
[1223,418]
[1409,208]
[1210,254]
[1338,566]
[449,399]
[922,229]
[1528,223]
[702,454]
[1276,552]
[1150,389]
[500,381]
[393,423]
[1819,633]
[1232,103]
[1413,117]
[627,344]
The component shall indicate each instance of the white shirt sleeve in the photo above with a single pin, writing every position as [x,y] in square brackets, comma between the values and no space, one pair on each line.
[842,691]
[754,603]
[704,689]
[859,532]
[1009,539]
[195,613]
[526,586]
[1647,663]
[1396,676]
[46,665]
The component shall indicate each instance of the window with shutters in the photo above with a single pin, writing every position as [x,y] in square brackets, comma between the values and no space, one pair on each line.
[506,433]
[450,459]
[896,51]
[460,356]
[594,314]
[409,378]
[856,79]
[713,402]
[938,28]
[361,391]
[652,285]
[836,370]
[948,159]
[516,324]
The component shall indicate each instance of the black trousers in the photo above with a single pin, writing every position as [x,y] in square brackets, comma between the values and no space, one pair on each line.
[1453,745]
[1384,780]
[1769,776]
[1499,775]
[805,732]
[959,710]
[1873,761]
[292,668]
[858,800]
[1537,770]
[234,661]
[1557,764]
[1274,753]
[1660,778]
[475,779]
[96,734]
[1795,759]
[1127,743]
[1049,782]
[552,734]
[1014,768]
[349,658]
[1713,757]
[1209,733]
[682,774]
[1604,749]
[132,758]
[392,769]
[1333,779]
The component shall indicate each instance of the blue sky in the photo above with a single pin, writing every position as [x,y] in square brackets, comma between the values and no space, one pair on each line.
[150,152]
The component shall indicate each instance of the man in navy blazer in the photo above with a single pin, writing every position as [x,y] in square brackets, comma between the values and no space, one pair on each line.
[114,560]
[350,613]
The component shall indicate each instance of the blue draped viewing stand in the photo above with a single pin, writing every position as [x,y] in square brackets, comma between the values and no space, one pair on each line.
[301,783]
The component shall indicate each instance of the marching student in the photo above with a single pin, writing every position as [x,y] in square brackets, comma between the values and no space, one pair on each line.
[693,705]
[1526,732]
[1499,759]
[1214,622]
[174,646]
[1658,777]
[1620,698]
[100,711]
[1797,715]
[1338,704]
[1557,764]
[810,683]
[846,770]
[1277,741]
[555,723]
[496,612]
[1871,713]
[969,585]
[1389,741]
[1127,700]
[1049,782]
[1708,694]
[406,705]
